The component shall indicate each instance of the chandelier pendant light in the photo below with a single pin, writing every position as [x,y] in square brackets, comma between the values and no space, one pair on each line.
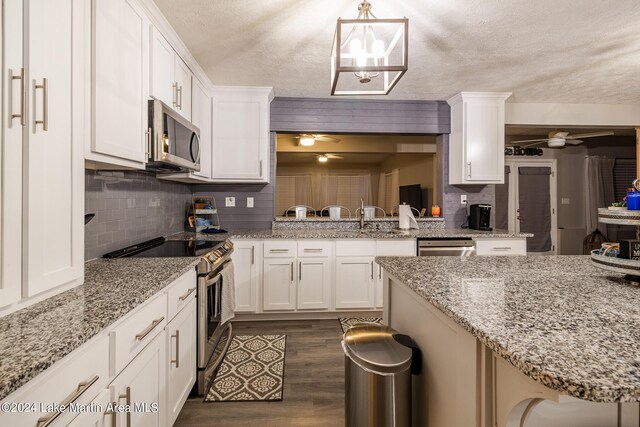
[369,55]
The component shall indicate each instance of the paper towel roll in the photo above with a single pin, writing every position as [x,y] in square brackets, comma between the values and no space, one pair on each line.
[406,218]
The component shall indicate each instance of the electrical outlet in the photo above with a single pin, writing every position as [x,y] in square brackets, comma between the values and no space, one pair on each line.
[230,202]
[249,202]
[463,199]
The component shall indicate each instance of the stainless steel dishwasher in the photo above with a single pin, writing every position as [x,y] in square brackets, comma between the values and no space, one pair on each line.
[446,247]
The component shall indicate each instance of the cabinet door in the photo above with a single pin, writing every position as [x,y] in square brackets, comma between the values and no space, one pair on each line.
[314,283]
[183,88]
[120,79]
[141,385]
[11,144]
[99,418]
[55,196]
[484,140]
[240,136]
[246,275]
[163,79]
[201,117]
[279,291]
[181,359]
[354,283]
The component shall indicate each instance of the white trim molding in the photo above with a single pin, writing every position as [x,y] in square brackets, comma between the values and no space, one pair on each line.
[541,114]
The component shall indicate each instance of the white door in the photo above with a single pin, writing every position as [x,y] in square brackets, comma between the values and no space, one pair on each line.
[518,211]
[246,261]
[120,79]
[240,136]
[183,88]
[279,284]
[11,145]
[101,418]
[181,359]
[201,114]
[314,283]
[142,383]
[354,282]
[54,207]
[163,80]
[484,140]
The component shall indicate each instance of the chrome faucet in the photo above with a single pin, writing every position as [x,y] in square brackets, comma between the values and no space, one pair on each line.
[361,214]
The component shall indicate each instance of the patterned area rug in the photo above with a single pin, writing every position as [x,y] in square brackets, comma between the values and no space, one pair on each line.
[252,370]
[347,322]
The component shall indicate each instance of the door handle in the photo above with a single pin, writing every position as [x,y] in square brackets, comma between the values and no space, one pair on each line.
[177,359]
[371,270]
[23,105]
[292,272]
[253,254]
[379,272]
[300,271]
[518,214]
[140,336]
[127,397]
[179,96]
[468,169]
[45,107]
[174,101]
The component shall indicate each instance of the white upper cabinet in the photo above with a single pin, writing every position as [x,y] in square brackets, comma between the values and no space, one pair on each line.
[170,76]
[120,75]
[241,134]
[476,142]
[201,113]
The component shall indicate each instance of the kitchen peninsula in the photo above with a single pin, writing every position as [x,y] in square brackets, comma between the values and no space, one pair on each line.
[499,335]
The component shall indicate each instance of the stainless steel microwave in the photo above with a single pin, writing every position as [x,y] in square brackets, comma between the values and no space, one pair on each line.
[174,141]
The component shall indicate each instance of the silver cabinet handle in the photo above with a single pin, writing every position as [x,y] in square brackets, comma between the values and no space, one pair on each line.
[312,250]
[23,104]
[260,166]
[179,96]
[379,272]
[292,272]
[371,270]
[127,397]
[140,336]
[300,271]
[148,137]
[278,250]
[253,254]
[45,107]
[113,413]
[502,248]
[186,294]
[468,169]
[82,387]
[174,101]
[177,359]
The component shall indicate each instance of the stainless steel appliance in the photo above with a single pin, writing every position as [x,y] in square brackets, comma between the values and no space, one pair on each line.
[173,142]
[446,247]
[479,217]
[213,338]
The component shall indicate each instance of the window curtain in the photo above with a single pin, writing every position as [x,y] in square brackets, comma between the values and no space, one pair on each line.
[345,190]
[535,206]
[389,191]
[293,190]
[600,191]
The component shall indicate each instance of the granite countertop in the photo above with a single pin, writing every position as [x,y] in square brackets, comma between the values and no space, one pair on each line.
[353,219]
[320,233]
[559,320]
[34,338]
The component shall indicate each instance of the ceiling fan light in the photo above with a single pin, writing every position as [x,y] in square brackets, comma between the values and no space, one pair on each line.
[307,141]
[556,142]
[323,159]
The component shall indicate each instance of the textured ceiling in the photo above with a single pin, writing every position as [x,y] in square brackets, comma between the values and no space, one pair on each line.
[581,51]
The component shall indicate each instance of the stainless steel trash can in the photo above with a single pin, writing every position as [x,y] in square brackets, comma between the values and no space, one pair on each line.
[377,377]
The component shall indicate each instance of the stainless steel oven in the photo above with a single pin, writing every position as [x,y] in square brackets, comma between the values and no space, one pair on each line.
[174,142]
[446,247]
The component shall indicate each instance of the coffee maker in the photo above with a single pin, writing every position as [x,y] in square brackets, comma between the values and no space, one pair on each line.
[479,217]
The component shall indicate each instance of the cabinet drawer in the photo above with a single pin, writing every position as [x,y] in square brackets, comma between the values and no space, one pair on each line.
[355,247]
[501,247]
[136,331]
[180,292]
[279,249]
[405,247]
[77,378]
[314,248]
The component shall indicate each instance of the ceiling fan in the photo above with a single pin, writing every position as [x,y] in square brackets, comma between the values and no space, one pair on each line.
[322,158]
[308,140]
[558,139]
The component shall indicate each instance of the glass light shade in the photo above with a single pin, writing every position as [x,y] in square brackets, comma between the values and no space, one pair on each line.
[369,56]
[323,159]
[307,141]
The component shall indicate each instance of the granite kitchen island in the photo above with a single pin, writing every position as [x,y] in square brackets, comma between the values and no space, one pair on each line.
[501,336]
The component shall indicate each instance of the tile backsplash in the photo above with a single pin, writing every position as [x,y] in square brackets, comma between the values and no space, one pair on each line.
[130,207]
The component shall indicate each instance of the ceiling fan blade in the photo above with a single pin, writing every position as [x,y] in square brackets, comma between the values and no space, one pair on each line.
[542,141]
[529,140]
[574,141]
[590,135]
[326,138]
[558,134]
[334,156]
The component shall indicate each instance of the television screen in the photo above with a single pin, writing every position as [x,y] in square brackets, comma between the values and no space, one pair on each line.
[411,195]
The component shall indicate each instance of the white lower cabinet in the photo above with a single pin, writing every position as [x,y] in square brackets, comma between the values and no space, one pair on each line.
[501,247]
[247,262]
[141,385]
[103,418]
[314,279]
[180,359]
[355,282]
[278,286]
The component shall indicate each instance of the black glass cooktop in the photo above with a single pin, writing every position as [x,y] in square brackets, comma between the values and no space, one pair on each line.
[166,248]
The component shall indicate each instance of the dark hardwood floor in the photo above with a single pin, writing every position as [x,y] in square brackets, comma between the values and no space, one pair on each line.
[313,382]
